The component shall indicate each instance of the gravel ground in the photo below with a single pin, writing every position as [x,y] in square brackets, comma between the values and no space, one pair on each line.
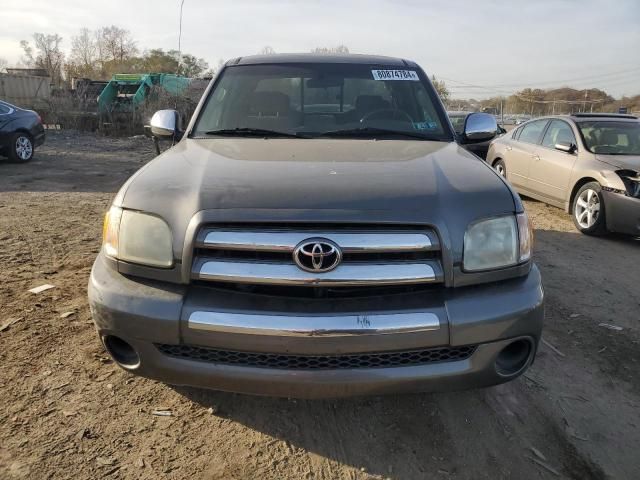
[69,412]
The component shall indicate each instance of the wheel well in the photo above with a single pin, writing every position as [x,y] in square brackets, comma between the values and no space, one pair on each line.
[493,162]
[578,186]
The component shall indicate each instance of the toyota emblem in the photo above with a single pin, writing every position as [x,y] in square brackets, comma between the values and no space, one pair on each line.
[317,255]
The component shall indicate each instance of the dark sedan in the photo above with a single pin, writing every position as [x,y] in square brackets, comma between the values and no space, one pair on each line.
[21,131]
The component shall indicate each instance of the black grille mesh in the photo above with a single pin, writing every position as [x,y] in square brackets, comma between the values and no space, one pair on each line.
[318,362]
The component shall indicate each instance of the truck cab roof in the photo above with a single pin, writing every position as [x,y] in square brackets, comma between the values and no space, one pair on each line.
[284,58]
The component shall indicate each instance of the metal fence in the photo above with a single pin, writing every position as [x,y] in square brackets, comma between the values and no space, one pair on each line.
[25,91]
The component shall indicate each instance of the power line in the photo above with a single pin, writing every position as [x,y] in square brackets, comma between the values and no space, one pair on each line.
[499,88]
[579,79]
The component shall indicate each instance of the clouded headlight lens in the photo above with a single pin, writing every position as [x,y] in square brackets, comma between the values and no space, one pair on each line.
[525,235]
[491,243]
[137,238]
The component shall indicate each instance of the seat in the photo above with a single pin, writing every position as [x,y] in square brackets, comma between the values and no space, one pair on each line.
[269,110]
[609,137]
[591,138]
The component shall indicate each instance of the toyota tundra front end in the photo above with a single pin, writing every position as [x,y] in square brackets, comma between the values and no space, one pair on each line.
[318,231]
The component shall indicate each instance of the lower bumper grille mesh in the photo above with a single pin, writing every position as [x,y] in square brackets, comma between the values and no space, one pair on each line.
[318,362]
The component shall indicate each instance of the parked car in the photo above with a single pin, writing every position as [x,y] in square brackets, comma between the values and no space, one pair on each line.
[318,231]
[587,164]
[458,120]
[21,131]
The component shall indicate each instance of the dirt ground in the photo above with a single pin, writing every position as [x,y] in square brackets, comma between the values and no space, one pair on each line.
[66,411]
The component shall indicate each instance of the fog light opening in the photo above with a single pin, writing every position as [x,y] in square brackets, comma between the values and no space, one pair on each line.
[513,358]
[121,351]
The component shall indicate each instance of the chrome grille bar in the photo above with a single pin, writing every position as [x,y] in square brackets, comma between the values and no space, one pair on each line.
[264,255]
[349,242]
[313,326]
[347,274]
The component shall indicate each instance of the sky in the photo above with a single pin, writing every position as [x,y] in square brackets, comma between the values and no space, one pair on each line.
[480,48]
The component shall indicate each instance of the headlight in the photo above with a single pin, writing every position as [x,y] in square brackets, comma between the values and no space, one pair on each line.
[137,238]
[497,243]
[525,237]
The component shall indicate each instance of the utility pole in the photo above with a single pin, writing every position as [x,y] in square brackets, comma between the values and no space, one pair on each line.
[531,98]
[180,38]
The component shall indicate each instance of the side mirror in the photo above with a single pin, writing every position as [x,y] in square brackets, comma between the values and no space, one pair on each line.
[165,123]
[565,147]
[479,127]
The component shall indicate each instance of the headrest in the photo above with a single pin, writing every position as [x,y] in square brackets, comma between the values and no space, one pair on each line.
[609,137]
[269,104]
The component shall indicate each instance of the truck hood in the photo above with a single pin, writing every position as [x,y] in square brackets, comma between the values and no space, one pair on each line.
[631,162]
[318,180]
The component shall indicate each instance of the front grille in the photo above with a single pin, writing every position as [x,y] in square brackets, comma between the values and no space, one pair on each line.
[289,291]
[264,256]
[318,362]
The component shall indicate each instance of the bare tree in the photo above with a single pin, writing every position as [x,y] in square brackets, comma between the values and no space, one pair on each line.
[28,58]
[84,53]
[116,44]
[101,53]
[266,50]
[3,64]
[46,54]
[340,49]
[213,71]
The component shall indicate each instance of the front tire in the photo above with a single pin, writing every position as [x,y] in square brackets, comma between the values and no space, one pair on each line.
[21,147]
[500,167]
[588,210]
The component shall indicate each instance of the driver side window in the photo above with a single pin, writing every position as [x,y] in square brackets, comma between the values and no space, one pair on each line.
[558,132]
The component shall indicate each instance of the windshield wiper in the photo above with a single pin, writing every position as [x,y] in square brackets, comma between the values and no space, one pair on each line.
[251,132]
[373,132]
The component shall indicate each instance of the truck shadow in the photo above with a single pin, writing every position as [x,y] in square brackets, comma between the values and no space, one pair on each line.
[397,436]
[459,433]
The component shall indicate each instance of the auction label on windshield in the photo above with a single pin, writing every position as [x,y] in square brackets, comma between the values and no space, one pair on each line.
[410,75]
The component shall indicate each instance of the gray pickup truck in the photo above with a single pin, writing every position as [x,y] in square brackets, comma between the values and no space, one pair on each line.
[317,230]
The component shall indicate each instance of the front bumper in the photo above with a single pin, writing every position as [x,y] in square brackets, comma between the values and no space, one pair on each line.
[622,213]
[146,314]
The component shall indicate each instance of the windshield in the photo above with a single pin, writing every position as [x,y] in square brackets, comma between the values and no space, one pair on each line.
[313,100]
[611,138]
